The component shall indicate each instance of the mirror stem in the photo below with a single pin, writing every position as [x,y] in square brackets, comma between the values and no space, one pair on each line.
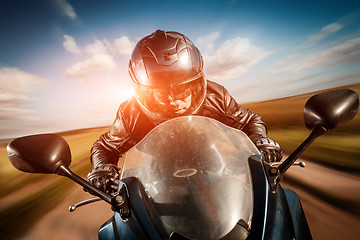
[65,171]
[316,132]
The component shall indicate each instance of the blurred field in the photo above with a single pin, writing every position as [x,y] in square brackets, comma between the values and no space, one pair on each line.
[339,148]
[27,198]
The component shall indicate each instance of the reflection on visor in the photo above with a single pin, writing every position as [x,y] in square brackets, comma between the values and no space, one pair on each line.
[166,96]
[176,100]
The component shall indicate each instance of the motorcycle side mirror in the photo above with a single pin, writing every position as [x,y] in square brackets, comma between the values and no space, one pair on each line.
[323,112]
[42,153]
[50,153]
[330,109]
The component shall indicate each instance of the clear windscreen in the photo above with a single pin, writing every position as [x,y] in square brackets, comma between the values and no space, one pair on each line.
[196,175]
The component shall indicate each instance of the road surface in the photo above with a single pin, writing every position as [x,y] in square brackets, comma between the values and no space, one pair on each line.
[325,220]
[328,221]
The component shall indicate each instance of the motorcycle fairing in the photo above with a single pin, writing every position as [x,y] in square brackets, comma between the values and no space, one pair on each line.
[274,214]
[301,227]
[279,224]
[261,190]
[277,214]
[139,225]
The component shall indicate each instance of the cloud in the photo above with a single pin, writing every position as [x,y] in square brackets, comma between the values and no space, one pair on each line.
[102,55]
[15,88]
[123,45]
[230,60]
[97,48]
[324,32]
[66,8]
[331,28]
[344,53]
[206,43]
[303,72]
[70,45]
[233,58]
[95,64]
[347,52]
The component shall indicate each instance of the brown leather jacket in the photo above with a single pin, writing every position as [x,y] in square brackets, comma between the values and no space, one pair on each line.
[131,124]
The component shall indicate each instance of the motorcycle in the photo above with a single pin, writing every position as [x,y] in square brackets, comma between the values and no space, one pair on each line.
[193,177]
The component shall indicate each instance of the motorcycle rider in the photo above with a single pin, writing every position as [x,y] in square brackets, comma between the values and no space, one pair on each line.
[167,73]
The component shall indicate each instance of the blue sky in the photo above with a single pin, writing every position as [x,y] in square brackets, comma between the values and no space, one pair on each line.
[63,63]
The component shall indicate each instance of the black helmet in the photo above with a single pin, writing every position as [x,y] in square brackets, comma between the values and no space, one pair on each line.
[167,71]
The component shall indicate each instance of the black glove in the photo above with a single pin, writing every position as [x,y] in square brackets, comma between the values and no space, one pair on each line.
[105,177]
[270,150]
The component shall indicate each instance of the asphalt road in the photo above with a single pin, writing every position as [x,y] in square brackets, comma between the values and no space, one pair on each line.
[328,220]
[342,185]
[325,220]
[61,224]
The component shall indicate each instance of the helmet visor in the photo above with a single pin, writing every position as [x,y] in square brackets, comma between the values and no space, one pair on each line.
[174,100]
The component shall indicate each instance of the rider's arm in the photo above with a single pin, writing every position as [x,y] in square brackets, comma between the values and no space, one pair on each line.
[220,105]
[109,147]
[244,119]
[254,126]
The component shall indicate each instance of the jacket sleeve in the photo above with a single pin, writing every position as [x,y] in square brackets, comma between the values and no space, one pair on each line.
[244,119]
[109,147]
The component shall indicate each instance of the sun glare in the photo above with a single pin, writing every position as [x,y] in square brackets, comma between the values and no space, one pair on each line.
[184,60]
[126,93]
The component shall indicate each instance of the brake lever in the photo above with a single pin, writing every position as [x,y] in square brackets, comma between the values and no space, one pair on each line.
[119,202]
[82,203]
[300,164]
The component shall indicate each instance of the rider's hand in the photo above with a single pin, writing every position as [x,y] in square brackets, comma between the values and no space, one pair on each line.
[270,150]
[105,177]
